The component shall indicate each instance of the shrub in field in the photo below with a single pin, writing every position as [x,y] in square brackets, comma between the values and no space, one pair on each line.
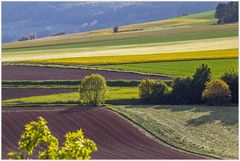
[181,90]
[93,90]
[146,89]
[200,77]
[37,133]
[217,92]
[159,92]
[231,78]
[115,29]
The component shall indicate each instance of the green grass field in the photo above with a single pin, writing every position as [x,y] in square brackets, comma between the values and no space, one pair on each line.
[116,95]
[202,129]
[175,68]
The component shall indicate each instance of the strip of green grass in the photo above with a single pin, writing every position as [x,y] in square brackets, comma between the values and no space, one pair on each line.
[176,68]
[116,95]
[204,130]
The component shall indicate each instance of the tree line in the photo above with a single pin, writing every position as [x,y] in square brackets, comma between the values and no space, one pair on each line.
[227,12]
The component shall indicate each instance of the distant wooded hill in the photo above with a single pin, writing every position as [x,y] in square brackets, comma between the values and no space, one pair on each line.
[45,19]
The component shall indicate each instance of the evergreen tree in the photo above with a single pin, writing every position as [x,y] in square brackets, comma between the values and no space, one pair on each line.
[227,12]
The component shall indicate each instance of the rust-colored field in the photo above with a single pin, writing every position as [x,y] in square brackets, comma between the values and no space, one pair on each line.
[46,73]
[115,137]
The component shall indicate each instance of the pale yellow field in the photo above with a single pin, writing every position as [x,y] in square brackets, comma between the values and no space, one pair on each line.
[198,55]
[169,47]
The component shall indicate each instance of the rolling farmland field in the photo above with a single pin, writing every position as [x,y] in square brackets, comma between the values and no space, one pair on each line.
[199,25]
[167,47]
[158,50]
[116,138]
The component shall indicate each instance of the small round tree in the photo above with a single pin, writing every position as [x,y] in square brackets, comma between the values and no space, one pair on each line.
[216,92]
[93,90]
[146,89]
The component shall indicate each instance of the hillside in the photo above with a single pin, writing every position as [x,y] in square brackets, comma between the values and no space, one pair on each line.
[191,24]
[145,38]
[72,17]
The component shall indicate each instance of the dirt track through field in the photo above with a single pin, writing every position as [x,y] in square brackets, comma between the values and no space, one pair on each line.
[47,73]
[115,137]
[12,93]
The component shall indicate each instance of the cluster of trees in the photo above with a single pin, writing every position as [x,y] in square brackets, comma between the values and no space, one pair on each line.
[32,36]
[195,89]
[227,12]
[37,134]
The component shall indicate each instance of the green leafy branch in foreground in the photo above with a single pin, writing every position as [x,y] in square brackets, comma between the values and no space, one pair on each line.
[37,133]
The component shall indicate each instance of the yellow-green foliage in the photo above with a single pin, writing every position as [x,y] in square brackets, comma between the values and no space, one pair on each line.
[146,89]
[198,55]
[216,92]
[93,90]
[37,133]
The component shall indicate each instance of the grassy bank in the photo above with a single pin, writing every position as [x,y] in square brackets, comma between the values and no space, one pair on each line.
[205,130]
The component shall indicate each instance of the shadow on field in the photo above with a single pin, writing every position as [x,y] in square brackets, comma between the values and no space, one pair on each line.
[226,115]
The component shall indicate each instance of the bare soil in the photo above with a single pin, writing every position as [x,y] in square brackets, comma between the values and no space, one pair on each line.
[11,93]
[47,73]
[115,137]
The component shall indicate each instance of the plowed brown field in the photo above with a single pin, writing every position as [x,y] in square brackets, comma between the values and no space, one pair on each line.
[115,137]
[46,73]
[11,93]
